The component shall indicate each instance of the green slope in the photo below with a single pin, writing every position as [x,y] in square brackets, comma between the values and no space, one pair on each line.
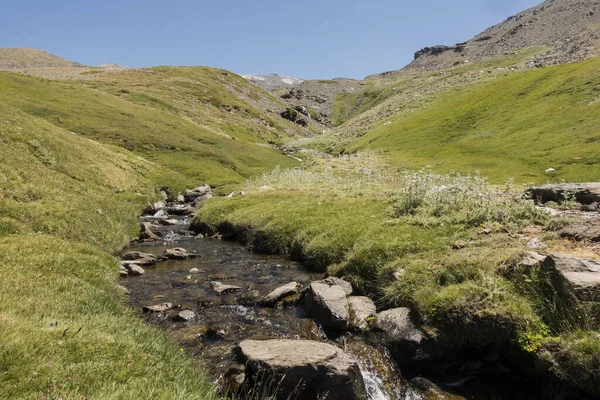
[514,126]
[150,120]
[79,162]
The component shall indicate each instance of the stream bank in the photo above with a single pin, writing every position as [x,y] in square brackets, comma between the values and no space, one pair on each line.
[212,300]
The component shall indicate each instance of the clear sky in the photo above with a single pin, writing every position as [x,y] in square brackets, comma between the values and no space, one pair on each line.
[302,38]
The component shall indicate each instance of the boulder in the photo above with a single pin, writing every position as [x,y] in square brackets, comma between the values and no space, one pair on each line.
[531,259]
[584,193]
[147,232]
[153,208]
[158,308]
[180,198]
[397,325]
[185,316]
[181,210]
[312,369]
[134,270]
[136,255]
[332,280]
[582,231]
[178,253]
[326,303]
[574,278]
[280,293]
[198,201]
[360,308]
[193,194]
[221,288]
[144,262]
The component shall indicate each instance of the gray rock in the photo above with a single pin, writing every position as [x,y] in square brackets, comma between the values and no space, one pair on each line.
[172,222]
[123,271]
[193,194]
[574,278]
[136,255]
[178,253]
[324,371]
[584,193]
[396,323]
[327,304]
[147,232]
[280,293]
[347,286]
[134,270]
[582,231]
[144,262]
[198,201]
[531,259]
[153,208]
[194,271]
[181,210]
[180,198]
[185,316]
[158,308]
[590,207]
[535,243]
[222,288]
[360,308]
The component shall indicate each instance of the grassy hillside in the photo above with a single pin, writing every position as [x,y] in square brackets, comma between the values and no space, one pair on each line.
[515,126]
[79,162]
[66,204]
[160,115]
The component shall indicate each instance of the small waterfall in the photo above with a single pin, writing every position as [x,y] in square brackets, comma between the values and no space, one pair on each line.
[373,385]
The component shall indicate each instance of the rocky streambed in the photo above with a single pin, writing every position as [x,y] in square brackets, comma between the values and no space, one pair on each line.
[261,323]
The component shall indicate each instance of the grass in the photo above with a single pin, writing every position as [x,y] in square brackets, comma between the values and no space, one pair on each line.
[151,121]
[515,126]
[79,162]
[66,205]
[392,234]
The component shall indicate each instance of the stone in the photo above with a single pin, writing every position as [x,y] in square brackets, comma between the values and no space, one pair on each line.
[332,280]
[582,231]
[590,207]
[123,271]
[399,274]
[327,304]
[535,243]
[397,325]
[172,222]
[158,308]
[531,259]
[180,198]
[123,289]
[178,253]
[574,278]
[193,194]
[181,210]
[134,270]
[185,316]
[221,288]
[153,208]
[280,293]
[194,271]
[147,232]
[136,255]
[360,309]
[144,262]
[323,371]
[459,244]
[584,193]
[199,200]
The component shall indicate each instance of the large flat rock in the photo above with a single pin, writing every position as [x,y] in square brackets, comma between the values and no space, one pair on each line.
[318,370]
[584,193]
[574,278]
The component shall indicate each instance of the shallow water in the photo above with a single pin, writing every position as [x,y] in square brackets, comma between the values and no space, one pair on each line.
[222,320]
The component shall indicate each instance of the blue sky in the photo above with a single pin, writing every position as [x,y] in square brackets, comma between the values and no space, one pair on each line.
[303,38]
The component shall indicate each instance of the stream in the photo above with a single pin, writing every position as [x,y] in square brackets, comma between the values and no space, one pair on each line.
[220,321]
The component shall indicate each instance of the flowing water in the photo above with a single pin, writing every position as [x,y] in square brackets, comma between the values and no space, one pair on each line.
[222,320]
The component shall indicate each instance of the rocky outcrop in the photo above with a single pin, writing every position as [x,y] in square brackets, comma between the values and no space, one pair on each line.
[584,193]
[326,302]
[582,231]
[315,370]
[574,278]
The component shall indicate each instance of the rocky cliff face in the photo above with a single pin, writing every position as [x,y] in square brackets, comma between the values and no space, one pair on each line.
[563,30]
[273,81]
